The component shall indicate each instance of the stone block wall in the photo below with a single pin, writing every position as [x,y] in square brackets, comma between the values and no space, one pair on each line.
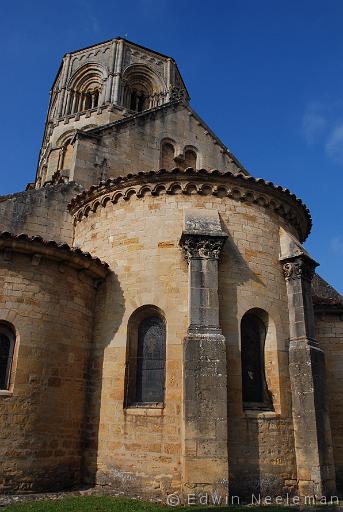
[135,145]
[40,212]
[42,415]
[329,333]
[143,448]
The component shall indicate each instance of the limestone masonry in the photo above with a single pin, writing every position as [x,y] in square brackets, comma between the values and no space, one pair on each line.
[162,328]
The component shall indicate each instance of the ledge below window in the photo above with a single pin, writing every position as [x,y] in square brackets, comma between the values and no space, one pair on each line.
[147,409]
[6,392]
[261,414]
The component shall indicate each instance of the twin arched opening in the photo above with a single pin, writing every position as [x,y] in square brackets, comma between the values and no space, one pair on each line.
[169,158]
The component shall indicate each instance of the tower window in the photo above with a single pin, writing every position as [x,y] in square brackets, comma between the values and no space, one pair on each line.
[145,370]
[7,341]
[66,155]
[88,101]
[167,156]
[190,158]
[137,101]
[254,387]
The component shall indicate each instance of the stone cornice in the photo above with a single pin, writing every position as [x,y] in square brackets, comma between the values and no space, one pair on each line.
[238,187]
[49,249]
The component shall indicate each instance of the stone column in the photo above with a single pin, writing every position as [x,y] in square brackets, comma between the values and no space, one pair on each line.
[117,72]
[312,432]
[205,456]
[62,88]
[169,79]
[66,111]
[109,80]
[73,106]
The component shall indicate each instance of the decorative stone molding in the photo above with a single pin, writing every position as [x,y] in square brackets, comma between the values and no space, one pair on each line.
[49,249]
[299,268]
[202,246]
[238,187]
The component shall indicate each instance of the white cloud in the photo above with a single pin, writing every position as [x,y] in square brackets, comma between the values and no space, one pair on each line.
[313,123]
[322,126]
[337,244]
[334,145]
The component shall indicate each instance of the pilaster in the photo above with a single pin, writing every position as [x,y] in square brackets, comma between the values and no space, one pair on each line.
[62,88]
[205,455]
[109,81]
[117,71]
[312,432]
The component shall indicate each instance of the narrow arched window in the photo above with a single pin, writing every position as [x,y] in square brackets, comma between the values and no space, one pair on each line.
[88,101]
[66,155]
[190,158]
[96,99]
[7,340]
[145,369]
[167,156]
[133,100]
[253,336]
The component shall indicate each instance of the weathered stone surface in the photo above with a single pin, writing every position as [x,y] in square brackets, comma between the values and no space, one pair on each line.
[40,212]
[312,429]
[65,419]
[43,412]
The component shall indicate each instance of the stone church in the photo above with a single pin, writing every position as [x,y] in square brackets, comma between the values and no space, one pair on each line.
[162,328]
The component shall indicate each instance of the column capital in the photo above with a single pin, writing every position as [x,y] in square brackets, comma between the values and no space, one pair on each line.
[198,246]
[299,267]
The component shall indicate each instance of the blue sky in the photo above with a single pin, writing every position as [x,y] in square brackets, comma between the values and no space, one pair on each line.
[266,75]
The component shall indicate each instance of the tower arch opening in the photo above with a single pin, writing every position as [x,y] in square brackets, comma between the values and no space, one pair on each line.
[84,89]
[143,89]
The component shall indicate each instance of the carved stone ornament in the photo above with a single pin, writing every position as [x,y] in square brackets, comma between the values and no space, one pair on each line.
[299,268]
[202,246]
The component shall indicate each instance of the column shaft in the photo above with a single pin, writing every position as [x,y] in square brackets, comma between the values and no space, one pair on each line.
[205,454]
[312,433]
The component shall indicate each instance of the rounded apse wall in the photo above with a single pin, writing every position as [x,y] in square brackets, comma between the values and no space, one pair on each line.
[47,299]
[135,224]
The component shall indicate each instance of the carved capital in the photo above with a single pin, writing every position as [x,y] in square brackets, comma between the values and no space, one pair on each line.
[202,246]
[299,268]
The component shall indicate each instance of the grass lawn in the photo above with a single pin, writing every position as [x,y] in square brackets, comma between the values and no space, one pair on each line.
[110,504]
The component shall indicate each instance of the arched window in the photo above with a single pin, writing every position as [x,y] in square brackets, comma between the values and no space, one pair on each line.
[137,100]
[254,386]
[84,89]
[66,155]
[190,158]
[145,369]
[88,101]
[7,341]
[167,156]
[142,88]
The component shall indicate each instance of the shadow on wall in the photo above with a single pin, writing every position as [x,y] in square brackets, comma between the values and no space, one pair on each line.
[109,311]
[243,436]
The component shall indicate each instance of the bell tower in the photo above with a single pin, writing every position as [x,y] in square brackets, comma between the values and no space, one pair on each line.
[99,85]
